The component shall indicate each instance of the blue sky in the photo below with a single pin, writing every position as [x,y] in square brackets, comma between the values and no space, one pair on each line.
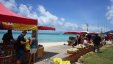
[67,15]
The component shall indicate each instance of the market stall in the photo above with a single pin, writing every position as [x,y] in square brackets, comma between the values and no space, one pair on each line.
[12,21]
[45,28]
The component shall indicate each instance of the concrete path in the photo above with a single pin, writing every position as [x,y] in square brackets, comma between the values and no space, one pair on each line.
[55,51]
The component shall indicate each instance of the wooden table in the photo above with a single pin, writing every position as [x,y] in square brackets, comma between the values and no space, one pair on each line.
[40,52]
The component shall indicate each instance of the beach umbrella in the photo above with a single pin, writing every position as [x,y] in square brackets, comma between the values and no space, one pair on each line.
[76,32]
[7,15]
[45,28]
[83,32]
[71,32]
[93,33]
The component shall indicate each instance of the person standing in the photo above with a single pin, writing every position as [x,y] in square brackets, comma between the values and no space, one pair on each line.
[75,42]
[7,38]
[79,39]
[33,48]
[88,38]
[85,42]
[96,42]
[20,48]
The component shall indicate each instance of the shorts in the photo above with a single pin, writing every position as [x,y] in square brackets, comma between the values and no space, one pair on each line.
[33,50]
[20,54]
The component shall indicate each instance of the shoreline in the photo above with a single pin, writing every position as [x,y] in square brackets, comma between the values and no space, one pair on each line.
[46,45]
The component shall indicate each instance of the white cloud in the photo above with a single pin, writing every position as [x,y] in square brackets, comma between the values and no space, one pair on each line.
[62,19]
[47,18]
[20,9]
[109,13]
[92,28]
[111,0]
[24,10]
[27,11]
[10,4]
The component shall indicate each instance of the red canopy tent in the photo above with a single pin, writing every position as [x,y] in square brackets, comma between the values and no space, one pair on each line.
[8,16]
[45,28]
[83,32]
[75,32]
[71,32]
[93,33]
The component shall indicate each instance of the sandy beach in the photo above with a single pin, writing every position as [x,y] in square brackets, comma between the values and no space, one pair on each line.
[52,44]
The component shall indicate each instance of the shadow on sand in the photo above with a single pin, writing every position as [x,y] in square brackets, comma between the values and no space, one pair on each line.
[47,55]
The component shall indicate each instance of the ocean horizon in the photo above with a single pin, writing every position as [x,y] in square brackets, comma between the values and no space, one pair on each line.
[43,37]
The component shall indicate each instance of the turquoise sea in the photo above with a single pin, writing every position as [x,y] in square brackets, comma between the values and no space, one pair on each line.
[44,37]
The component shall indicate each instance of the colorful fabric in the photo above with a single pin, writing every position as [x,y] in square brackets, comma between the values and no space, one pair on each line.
[24,27]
